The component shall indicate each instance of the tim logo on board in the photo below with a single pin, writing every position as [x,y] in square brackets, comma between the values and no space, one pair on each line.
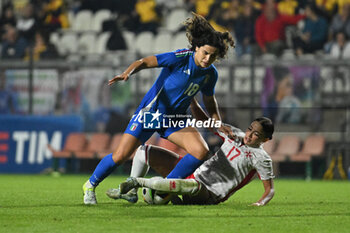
[151,120]
[24,141]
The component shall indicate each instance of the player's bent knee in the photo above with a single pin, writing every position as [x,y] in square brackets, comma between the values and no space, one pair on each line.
[199,152]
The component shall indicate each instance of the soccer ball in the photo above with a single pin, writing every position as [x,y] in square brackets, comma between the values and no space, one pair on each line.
[152,197]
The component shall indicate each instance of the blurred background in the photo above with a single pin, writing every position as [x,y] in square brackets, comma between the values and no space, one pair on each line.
[291,63]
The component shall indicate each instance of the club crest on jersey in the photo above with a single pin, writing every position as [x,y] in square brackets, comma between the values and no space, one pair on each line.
[133,126]
[248,154]
[151,120]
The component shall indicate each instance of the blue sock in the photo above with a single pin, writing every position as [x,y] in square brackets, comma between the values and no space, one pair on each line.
[105,167]
[187,165]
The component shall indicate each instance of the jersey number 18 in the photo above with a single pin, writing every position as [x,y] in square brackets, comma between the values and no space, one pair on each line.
[192,89]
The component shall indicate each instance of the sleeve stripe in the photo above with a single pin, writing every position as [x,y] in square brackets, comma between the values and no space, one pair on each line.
[183,53]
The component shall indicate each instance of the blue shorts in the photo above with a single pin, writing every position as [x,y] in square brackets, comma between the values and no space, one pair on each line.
[135,128]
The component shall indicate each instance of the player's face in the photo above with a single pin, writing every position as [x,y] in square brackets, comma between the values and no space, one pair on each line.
[254,135]
[205,56]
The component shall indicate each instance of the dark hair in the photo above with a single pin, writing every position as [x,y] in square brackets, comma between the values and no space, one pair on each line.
[199,33]
[313,7]
[267,125]
[341,32]
[280,72]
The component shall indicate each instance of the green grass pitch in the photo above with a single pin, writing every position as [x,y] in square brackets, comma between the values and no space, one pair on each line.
[42,203]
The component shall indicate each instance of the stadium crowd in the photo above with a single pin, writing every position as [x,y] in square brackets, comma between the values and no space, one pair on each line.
[263,26]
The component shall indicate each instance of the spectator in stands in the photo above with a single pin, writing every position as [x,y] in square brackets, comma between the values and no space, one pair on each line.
[201,7]
[257,5]
[13,45]
[282,105]
[148,15]
[233,8]
[270,3]
[288,7]
[269,29]
[341,4]
[340,22]
[26,23]
[54,15]
[8,16]
[327,8]
[222,15]
[8,103]
[314,33]
[244,30]
[340,49]
[42,49]
[116,40]
[127,16]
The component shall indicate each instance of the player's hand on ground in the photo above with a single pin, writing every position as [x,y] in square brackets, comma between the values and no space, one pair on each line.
[227,130]
[120,77]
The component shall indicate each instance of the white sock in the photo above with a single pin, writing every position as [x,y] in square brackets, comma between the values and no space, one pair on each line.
[140,163]
[178,186]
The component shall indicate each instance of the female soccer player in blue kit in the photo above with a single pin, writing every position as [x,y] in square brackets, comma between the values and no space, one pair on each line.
[185,72]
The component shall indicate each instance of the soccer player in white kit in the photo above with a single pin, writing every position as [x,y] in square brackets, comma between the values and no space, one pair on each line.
[231,168]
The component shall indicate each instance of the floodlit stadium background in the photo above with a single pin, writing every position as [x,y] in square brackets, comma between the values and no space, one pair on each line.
[49,91]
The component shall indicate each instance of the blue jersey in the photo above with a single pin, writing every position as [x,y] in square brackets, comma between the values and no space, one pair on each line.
[179,81]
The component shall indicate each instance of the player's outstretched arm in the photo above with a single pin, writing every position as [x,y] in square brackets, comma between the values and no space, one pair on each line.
[212,107]
[198,111]
[136,66]
[267,195]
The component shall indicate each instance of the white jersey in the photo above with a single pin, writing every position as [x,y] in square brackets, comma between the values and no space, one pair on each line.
[232,167]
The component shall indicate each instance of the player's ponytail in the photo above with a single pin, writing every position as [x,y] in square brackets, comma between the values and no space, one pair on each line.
[199,33]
